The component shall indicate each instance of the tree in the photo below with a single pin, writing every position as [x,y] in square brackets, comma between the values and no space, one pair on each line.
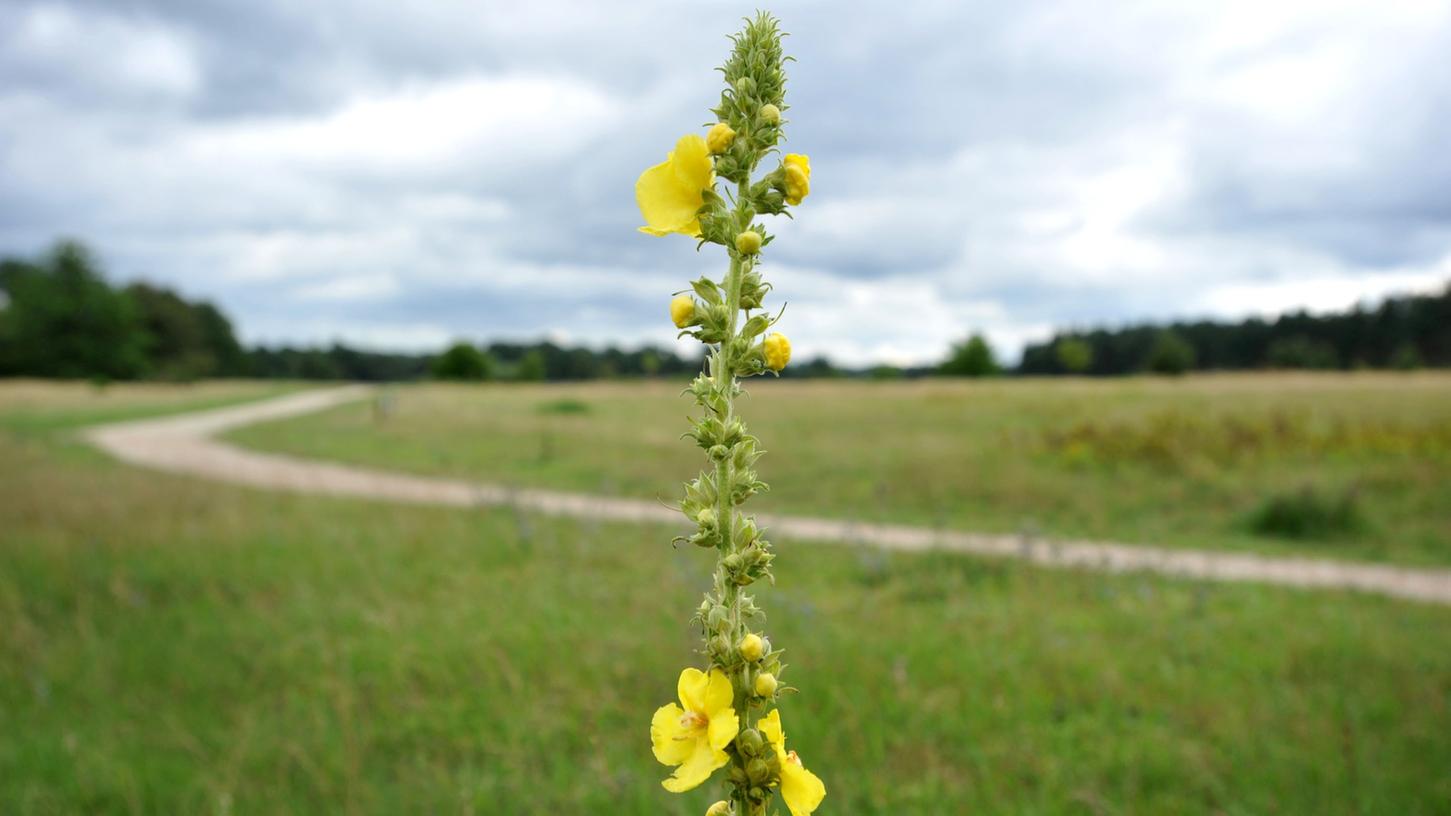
[61,319]
[1074,355]
[973,358]
[463,361]
[531,366]
[1171,354]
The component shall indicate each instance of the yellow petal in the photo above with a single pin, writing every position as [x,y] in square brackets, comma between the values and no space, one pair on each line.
[669,194]
[802,789]
[672,743]
[702,763]
[770,728]
[718,694]
[723,728]
[691,688]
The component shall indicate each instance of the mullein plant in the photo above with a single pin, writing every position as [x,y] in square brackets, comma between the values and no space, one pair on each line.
[727,716]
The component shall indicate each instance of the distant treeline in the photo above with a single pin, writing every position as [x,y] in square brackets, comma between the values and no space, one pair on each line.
[1403,332]
[60,318]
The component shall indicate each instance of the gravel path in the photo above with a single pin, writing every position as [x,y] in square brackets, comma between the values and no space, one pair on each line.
[186,444]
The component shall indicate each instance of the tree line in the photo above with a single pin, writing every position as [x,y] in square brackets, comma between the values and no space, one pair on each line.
[59,317]
[1406,332]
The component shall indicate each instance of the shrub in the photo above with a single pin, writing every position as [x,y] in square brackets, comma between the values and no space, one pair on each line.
[1308,512]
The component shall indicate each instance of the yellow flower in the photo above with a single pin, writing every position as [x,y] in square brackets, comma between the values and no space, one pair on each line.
[719,138]
[682,311]
[802,789]
[694,737]
[669,194]
[777,350]
[798,177]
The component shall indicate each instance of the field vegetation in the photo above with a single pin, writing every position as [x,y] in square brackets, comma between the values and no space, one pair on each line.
[173,646]
[1195,462]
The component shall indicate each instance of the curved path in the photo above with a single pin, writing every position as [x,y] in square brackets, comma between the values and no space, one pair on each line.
[186,444]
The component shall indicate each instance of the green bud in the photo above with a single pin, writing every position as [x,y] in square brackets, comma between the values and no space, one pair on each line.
[750,743]
[718,619]
[718,453]
[765,685]
[758,771]
[705,518]
[770,114]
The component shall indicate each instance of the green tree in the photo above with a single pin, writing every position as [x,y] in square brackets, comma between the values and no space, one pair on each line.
[463,361]
[1074,355]
[531,366]
[972,358]
[1170,354]
[61,319]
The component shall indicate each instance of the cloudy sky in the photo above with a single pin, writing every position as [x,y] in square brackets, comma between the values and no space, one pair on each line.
[399,174]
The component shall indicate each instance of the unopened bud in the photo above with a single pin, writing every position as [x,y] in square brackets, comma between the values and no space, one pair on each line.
[748,242]
[758,771]
[718,453]
[718,619]
[682,311]
[721,808]
[765,685]
[752,647]
[770,114]
[705,518]
[746,85]
[719,138]
[751,743]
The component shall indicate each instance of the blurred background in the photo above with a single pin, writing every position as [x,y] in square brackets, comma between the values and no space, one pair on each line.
[1167,274]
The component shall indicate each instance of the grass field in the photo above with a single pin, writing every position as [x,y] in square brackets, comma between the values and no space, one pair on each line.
[1170,462]
[180,647]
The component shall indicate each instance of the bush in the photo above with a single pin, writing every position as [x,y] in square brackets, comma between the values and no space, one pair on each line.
[1308,513]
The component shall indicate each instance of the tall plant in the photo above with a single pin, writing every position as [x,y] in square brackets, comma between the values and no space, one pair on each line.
[727,715]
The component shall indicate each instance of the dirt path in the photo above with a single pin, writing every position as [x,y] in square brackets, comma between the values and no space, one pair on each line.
[186,444]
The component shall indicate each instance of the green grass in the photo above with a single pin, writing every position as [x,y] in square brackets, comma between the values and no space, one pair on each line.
[1184,462]
[171,646]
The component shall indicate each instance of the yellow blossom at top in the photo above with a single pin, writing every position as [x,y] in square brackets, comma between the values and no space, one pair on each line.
[802,789]
[719,138]
[798,177]
[682,310]
[694,734]
[669,194]
[777,350]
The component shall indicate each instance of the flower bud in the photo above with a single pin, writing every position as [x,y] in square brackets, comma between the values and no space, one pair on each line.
[721,808]
[758,771]
[765,685]
[748,242]
[731,562]
[752,647]
[682,311]
[770,114]
[718,453]
[718,140]
[746,85]
[750,743]
[705,607]
[718,619]
[777,350]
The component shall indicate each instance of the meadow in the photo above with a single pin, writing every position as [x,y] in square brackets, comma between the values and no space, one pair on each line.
[1195,462]
[172,646]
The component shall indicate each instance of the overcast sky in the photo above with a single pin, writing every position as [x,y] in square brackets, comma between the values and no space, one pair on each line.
[398,174]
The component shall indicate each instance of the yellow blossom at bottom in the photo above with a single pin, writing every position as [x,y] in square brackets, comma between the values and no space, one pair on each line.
[802,789]
[694,734]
